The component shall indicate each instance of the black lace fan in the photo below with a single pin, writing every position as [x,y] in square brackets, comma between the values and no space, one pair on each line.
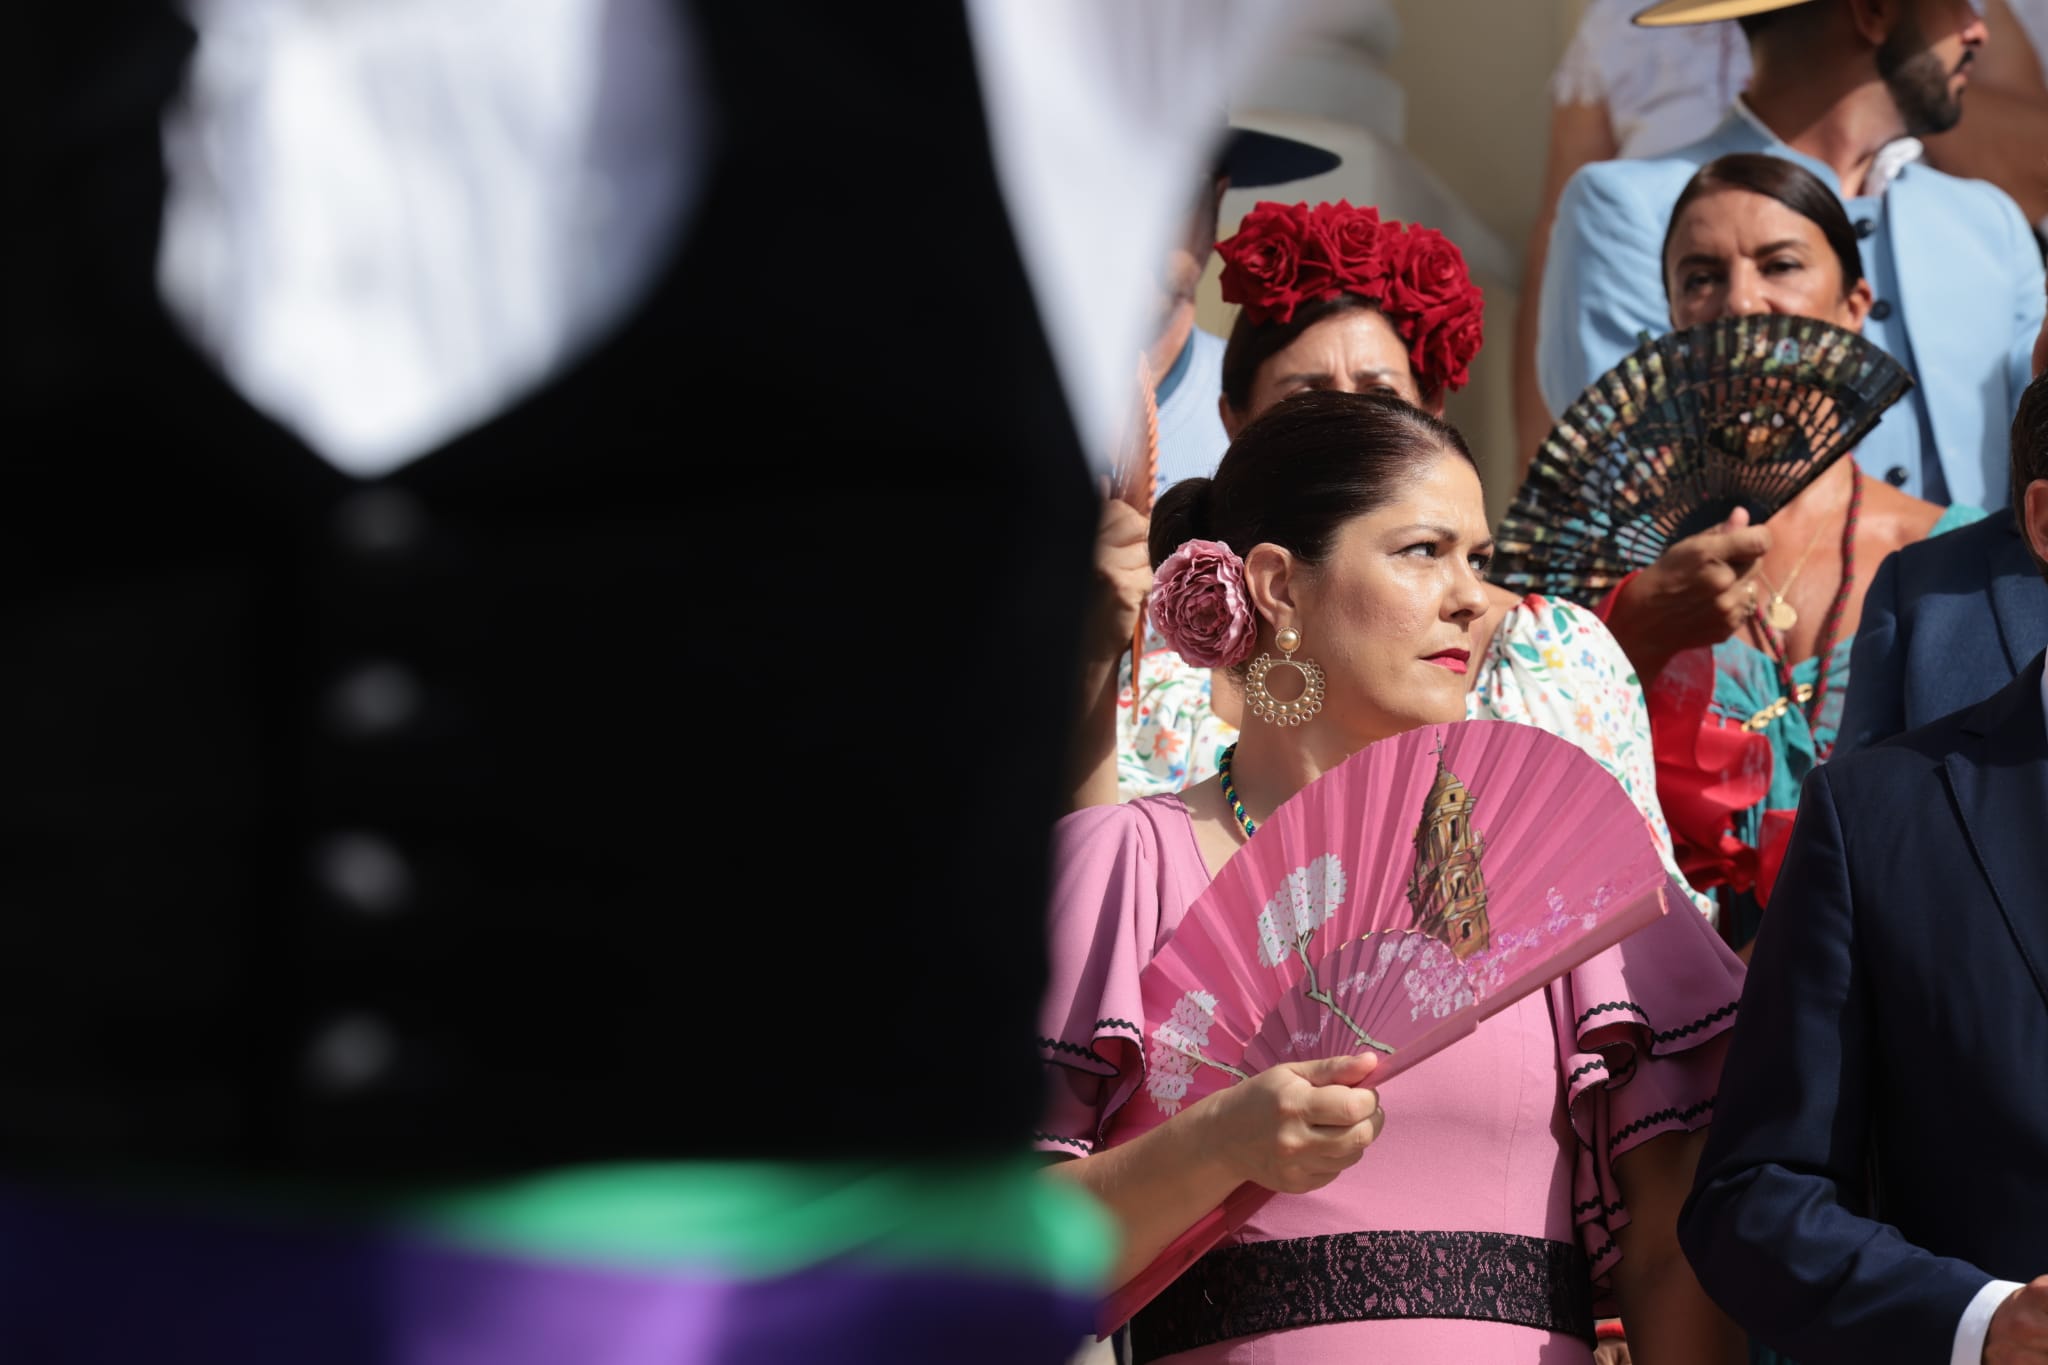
[1744,412]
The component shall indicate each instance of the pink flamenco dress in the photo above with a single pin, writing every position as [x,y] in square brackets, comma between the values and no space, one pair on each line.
[1480,1226]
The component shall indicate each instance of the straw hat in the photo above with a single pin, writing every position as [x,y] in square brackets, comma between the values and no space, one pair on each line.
[1671,13]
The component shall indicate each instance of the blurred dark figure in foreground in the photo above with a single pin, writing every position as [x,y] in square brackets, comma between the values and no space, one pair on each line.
[482,642]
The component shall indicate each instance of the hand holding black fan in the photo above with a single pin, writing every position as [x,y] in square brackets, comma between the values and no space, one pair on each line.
[1744,412]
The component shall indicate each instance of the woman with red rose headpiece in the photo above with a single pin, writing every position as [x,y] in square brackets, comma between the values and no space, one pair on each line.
[1559,1139]
[1337,298]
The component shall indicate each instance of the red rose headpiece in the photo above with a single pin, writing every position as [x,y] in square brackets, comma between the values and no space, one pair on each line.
[1287,255]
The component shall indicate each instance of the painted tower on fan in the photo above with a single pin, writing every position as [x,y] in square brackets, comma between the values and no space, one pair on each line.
[1447,888]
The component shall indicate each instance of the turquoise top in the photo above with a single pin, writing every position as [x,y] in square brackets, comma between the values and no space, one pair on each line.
[1746,681]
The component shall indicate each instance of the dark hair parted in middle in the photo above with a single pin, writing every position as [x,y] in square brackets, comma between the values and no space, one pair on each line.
[1788,182]
[1310,463]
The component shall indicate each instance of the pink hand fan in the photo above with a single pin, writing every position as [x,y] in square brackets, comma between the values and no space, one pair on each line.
[1429,881]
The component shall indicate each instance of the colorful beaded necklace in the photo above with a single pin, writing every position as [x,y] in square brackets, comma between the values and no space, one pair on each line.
[1230,792]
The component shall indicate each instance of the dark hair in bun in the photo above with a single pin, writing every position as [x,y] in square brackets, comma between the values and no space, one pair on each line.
[1310,463]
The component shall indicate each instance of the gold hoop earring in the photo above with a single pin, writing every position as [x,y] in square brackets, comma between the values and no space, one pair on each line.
[1270,708]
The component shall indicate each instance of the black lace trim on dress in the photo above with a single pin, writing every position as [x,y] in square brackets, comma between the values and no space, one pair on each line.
[1259,1287]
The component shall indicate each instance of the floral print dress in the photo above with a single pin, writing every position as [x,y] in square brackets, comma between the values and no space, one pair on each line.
[1551,664]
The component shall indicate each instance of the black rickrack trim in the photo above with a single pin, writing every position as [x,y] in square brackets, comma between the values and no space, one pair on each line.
[1597,1064]
[1697,1024]
[1081,1145]
[1058,1046]
[1605,1247]
[1691,1111]
[1089,1052]
[1606,1211]
[1055,1045]
[1611,1005]
[1256,1288]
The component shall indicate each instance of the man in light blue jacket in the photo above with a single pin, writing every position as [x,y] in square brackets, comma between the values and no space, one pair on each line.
[1843,87]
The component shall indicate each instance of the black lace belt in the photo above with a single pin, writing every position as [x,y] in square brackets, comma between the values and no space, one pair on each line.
[1259,1287]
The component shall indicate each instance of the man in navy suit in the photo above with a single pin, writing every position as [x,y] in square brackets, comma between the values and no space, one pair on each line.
[1875,1184]
[1948,621]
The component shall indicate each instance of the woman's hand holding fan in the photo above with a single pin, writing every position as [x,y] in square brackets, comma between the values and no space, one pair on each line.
[1297,1126]
[1698,593]
[1426,882]
[1744,412]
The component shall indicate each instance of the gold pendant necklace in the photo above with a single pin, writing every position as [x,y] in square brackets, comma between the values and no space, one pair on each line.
[1779,614]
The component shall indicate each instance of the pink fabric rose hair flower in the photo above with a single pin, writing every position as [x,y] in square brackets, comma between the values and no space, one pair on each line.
[1200,605]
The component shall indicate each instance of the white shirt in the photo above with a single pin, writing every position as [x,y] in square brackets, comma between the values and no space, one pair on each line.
[1970,1332]
[389,220]
[1663,87]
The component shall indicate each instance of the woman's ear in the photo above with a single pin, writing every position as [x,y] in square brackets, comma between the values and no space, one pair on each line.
[1273,576]
[1232,423]
[1433,402]
[1856,306]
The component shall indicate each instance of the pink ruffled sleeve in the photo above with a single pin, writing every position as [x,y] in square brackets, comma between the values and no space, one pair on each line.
[1106,921]
[1642,1029]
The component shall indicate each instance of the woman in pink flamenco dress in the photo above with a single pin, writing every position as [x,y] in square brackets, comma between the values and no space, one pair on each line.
[1530,1177]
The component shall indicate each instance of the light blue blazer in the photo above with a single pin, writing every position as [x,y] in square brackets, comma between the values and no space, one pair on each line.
[1965,271]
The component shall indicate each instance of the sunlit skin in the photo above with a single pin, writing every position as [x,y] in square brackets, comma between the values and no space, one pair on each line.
[1355,351]
[1957,31]
[1388,614]
[1738,254]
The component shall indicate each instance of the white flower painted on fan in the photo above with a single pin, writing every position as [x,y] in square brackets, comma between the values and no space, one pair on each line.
[1276,933]
[1187,1029]
[1558,917]
[1317,890]
[1436,982]
[1305,902]
[1176,1044]
[1167,1079]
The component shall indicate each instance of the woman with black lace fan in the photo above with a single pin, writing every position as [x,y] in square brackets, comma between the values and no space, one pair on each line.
[1742,634]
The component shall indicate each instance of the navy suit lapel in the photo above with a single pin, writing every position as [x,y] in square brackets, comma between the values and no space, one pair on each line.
[2000,778]
[2019,599]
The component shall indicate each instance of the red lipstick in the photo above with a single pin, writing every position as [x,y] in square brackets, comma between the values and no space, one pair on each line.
[1454,659]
